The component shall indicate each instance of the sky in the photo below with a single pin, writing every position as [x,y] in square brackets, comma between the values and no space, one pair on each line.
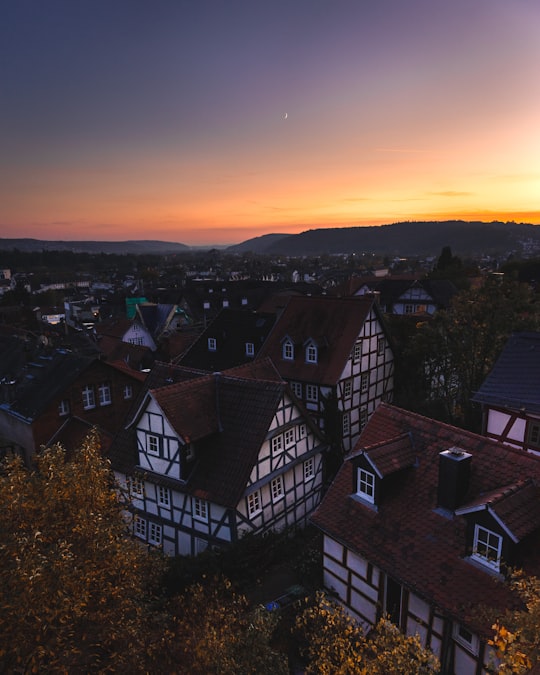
[214,121]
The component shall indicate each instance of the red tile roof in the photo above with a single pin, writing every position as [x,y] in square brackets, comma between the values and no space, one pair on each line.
[412,540]
[390,456]
[333,323]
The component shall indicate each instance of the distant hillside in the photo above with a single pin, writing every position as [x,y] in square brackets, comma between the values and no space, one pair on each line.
[118,247]
[258,244]
[409,239]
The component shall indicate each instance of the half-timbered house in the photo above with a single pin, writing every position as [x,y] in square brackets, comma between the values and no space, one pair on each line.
[421,523]
[337,357]
[510,395]
[212,457]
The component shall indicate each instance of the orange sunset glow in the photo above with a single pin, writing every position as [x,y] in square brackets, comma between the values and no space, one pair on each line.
[211,123]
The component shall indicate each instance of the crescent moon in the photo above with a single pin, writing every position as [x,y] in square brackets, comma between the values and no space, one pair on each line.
[285,116]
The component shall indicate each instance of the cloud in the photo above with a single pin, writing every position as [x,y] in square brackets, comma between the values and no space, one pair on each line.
[451,193]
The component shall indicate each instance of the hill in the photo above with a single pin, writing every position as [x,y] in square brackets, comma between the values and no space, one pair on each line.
[258,244]
[118,247]
[406,239]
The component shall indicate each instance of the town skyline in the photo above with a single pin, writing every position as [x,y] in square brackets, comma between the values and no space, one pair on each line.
[203,123]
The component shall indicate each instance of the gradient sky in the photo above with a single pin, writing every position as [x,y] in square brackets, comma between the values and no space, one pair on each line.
[213,121]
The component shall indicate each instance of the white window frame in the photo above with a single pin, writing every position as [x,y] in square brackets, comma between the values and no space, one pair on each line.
[250,349]
[357,351]
[155,533]
[465,637]
[136,486]
[311,353]
[277,489]
[199,509]
[309,469]
[153,445]
[287,351]
[312,393]
[296,388]
[363,417]
[104,394]
[365,485]
[381,345]
[139,527]
[63,407]
[254,503]
[288,437]
[89,397]
[364,382]
[347,388]
[163,496]
[128,391]
[276,444]
[346,423]
[302,431]
[212,344]
[490,543]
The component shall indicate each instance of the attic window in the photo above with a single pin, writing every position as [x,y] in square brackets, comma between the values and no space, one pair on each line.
[365,485]
[311,353]
[250,349]
[212,344]
[487,547]
[288,350]
[534,434]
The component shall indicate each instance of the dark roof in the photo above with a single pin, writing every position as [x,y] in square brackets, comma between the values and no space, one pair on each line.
[391,290]
[412,540]
[391,455]
[333,323]
[231,329]
[513,381]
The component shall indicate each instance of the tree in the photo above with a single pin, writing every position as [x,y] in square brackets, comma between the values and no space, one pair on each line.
[455,350]
[334,644]
[72,582]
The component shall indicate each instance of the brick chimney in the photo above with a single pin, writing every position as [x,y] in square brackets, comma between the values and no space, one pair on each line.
[454,475]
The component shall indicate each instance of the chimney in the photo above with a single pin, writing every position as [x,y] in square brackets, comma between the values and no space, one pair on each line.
[454,474]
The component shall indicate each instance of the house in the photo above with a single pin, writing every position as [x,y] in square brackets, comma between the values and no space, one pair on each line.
[43,390]
[510,395]
[406,296]
[234,337]
[161,319]
[131,331]
[336,355]
[421,522]
[208,458]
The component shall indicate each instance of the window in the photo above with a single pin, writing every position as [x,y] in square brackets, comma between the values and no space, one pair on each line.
[190,452]
[152,444]
[128,391]
[297,389]
[465,637]
[309,469]
[250,349]
[254,502]
[363,417]
[347,389]
[312,393]
[104,394]
[212,344]
[135,486]
[357,351]
[311,353]
[154,534]
[89,398]
[163,496]
[534,434]
[288,350]
[139,527]
[380,346]
[302,431]
[289,437]
[366,485]
[346,424]
[200,509]
[276,444]
[63,408]
[276,488]
[364,382]
[409,309]
[136,341]
[487,547]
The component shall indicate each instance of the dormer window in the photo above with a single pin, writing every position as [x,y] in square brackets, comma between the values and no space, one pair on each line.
[250,349]
[288,350]
[365,485]
[212,344]
[311,353]
[487,547]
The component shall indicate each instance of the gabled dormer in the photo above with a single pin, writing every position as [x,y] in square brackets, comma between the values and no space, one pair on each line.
[311,351]
[499,520]
[377,467]
[287,349]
